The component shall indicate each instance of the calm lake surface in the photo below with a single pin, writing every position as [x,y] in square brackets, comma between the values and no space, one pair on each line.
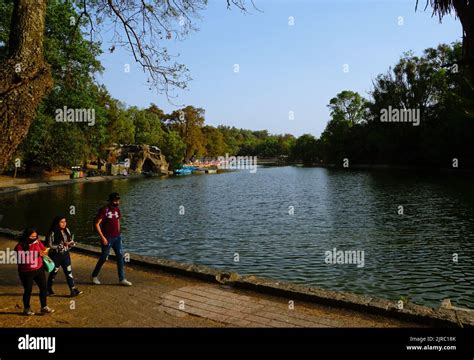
[249,214]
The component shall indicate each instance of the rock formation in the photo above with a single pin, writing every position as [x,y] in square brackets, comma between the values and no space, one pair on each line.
[141,158]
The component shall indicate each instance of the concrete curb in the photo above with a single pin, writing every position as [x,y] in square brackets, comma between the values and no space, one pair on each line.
[41,185]
[441,317]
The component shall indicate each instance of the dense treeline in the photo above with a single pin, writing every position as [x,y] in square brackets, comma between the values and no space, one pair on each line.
[74,62]
[429,88]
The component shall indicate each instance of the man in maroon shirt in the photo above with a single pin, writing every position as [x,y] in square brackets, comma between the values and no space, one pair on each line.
[107,225]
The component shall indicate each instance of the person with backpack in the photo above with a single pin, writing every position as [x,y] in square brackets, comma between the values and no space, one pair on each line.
[59,239]
[107,225]
[30,252]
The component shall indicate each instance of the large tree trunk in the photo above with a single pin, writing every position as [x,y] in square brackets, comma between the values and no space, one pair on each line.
[468,43]
[465,12]
[25,78]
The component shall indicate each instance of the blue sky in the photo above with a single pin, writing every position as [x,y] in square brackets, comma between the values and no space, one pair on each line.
[284,68]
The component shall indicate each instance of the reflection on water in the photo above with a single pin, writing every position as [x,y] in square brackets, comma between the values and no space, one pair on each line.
[281,221]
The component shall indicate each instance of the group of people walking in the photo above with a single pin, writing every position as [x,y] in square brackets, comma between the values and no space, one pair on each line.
[55,248]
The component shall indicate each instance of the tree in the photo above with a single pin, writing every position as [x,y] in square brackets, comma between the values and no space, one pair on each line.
[174,149]
[232,138]
[269,147]
[306,149]
[215,145]
[416,83]
[287,142]
[348,106]
[188,123]
[464,9]
[120,127]
[25,77]
[348,110]
[73,63]
[334,140]
[148,127]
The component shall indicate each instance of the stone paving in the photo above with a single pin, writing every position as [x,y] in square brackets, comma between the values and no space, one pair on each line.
[239,310]
[159,299]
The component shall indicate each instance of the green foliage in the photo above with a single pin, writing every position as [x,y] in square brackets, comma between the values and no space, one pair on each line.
[121,128]
[215,143]
[47,145]
[188,123]
[306,149]
[233,137]
[73,61]
[269,147]
[348,106]
[428,83]
[6,8]
[147,125]
[174,148]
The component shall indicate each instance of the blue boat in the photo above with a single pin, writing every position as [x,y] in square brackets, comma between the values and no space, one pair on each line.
[183,171]
[190,167]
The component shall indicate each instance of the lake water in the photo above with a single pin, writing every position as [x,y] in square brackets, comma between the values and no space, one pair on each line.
[282,220]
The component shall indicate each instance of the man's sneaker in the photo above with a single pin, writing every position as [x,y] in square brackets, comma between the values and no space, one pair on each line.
[95,280]
[49,292]
[47,310]
[125,282]
[76,292]
[28,312]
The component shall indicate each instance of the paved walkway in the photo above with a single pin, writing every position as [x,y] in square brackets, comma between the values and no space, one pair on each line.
[159,299]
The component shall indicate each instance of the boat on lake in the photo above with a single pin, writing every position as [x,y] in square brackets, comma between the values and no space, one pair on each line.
[183,171]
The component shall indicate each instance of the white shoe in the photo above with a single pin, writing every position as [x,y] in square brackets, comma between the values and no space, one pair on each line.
[47,310]
[125,282]
[95,280]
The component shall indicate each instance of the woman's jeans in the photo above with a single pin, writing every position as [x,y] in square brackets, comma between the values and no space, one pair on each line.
[61,261]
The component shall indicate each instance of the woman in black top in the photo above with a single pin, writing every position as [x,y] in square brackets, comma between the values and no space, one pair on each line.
[60,240]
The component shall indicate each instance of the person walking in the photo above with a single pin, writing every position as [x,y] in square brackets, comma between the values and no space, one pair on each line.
[30,269]
[59,239]
[107,225]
